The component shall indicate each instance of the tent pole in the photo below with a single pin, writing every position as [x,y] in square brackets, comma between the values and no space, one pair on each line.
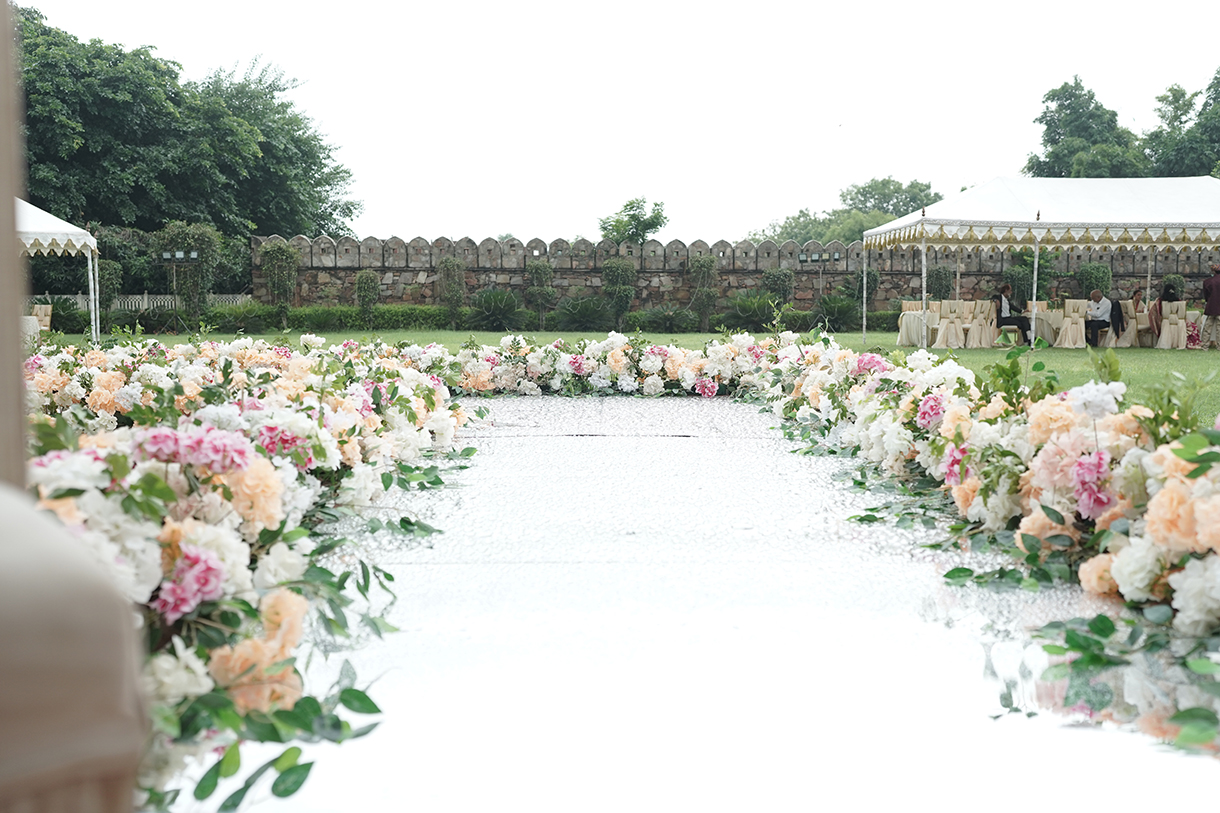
[864,305]
[1033,313]
[923,299]
[959,273]
[1148,291]
[92,315]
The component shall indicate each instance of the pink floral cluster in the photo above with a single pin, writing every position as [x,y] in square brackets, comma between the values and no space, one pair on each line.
[198,577]
[931,410]
[369,386]
[581,365]
[870,362]
[657,350]
[217,449]
[492,359]
[1089,476]
[955,472]
[756,352]
[707,387]
[280,441]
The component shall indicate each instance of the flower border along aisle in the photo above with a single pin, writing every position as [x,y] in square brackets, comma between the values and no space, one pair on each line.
[198,476]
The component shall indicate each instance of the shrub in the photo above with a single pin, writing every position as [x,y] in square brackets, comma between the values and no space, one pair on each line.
[751,311]
[324,318]
[451,279]
[193,276]
[702,270]
[779,282]
[635,320]
[410,317]
[368,291]
[1176,280]
[884,321]
[940,283]
[800,321]
[491,309]
[280,262]
[247,317]
[853,290]
[668,318]
[1096,277]
[540,295]
[838,313]
[618,287]
[588,313]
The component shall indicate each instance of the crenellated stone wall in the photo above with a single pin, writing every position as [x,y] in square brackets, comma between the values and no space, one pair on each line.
[408,268]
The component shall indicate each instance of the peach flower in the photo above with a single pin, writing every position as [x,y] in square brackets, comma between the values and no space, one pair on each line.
[965,493]
[109,381]
[1095,575]
[1173,465]
[95,358]
[1048,416]
[1207,521]
[101,401]
[994,408]
[283,613]
[64,508]
[956,417]
[1171,518]
[1038,524]
[617,360]
[1116,512]
[241,670]
[257,493]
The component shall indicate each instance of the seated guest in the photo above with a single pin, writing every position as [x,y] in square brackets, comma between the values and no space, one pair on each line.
[1168,294]
[1097,317]
[1137,300]
[1008,314]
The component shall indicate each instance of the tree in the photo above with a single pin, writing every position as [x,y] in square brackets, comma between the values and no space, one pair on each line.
[889,196]
[1081,138]
[113,137]
[1188,140]
[632,223]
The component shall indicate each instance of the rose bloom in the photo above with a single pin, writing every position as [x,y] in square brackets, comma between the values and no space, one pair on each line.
[1048,416]
[1095,576]
[965,493]
[617,361]
[1171,518]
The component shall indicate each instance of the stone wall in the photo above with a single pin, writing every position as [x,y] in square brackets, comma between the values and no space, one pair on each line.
[408,268]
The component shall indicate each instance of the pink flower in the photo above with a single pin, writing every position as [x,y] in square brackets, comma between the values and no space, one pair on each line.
[870,362]
[492,359]
[931,410]
[657,350]
[756,352]
[279,441]
[955,471]
[158,443]
[707,387]
[580,365]
[216,449]
[1089,473]
[33,363]
[198,577]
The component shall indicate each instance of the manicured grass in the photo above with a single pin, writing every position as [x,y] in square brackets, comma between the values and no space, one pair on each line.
[1140,366]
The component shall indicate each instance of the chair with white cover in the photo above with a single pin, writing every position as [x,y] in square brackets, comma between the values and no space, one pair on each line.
[983,331]
[1048,322]
[43,314]
[950,335]
[1071,335]
[1173,326]
[1131,334]
[910,324]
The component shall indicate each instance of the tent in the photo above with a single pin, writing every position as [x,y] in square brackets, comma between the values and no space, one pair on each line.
[1067,213]
[41,232]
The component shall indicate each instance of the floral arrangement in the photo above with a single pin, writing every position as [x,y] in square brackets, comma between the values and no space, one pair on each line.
[201,476]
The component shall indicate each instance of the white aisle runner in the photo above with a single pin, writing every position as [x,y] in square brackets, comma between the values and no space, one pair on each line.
[652,605]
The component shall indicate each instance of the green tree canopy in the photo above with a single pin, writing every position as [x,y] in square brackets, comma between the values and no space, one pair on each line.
[633,222]
[1187,142]
[1081,138]
[889,196]
[113,137]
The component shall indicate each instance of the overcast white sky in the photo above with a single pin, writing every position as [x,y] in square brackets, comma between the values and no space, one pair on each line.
[483,117]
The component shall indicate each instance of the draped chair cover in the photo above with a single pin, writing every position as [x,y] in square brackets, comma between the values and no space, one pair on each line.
[983,331]
[1173,326]
[1071,335]
[911,320]
[1131,336]
[1047,325]
[950,335]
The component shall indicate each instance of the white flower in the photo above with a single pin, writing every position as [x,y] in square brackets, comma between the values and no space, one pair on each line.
[170,679]
[311,342]
[280,564]
[652,364]
[128,395]
[1097,400]
[1196,596]
[653,385]
[628,383]
[1136,568]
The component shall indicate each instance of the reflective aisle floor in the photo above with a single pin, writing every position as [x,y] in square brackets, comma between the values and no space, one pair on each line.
[652,605]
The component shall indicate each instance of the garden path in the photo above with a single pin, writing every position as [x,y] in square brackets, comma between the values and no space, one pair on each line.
[650,604]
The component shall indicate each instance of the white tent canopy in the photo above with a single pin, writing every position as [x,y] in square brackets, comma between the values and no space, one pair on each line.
[1112,213]
[41,232]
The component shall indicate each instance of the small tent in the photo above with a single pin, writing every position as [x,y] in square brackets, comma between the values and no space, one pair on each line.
[1066,213]
[41,232]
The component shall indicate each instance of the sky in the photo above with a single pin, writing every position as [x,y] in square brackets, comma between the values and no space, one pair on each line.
[536,118]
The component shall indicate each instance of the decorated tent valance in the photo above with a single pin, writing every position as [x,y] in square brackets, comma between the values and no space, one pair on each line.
[41,232]
[1109,213]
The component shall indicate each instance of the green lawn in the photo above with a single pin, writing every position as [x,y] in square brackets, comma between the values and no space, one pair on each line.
[1140,366]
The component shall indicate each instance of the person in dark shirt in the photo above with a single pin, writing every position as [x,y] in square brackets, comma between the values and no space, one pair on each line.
[1008,314]
[1211,308]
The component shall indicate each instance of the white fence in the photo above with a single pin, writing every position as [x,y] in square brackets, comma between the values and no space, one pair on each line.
[144,301]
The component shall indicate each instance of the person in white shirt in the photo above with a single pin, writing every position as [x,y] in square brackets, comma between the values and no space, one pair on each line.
[1097,316]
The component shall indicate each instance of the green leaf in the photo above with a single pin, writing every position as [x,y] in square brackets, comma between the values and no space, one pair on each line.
[1195,714]
[1054,649]
[387,480]
[230,763]
[1122,525]
[1159,613]
[165,720]
[358,701]
[279,666]
[347,675]
[959,575]
[1057,672]
[1102,626]
[1031,585]
[290,781]
[287,759]
[1060,540]
[207,783]
[1054,515]
[1203,666]
[1196,733]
